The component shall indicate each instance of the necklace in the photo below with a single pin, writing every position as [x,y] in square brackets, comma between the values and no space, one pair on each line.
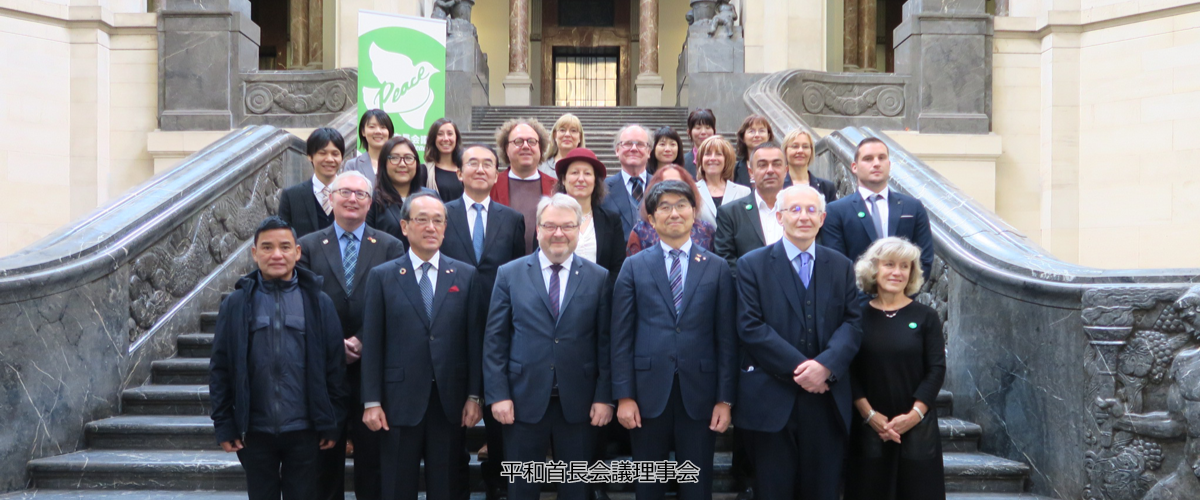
[891,314]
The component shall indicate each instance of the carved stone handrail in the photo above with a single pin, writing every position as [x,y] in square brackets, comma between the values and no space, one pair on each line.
[1049,357]
[85,309]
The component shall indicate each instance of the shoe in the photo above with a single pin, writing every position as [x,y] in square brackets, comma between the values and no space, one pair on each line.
[483,455]
[746,494]
[599,493]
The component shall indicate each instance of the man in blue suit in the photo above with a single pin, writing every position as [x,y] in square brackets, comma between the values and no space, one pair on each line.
[625,191]
[798,321]
[422,363]
[546,370]
[875,211]
[674,344]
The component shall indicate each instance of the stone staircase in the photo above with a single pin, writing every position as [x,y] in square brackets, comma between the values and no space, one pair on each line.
[600,124]
[162,447]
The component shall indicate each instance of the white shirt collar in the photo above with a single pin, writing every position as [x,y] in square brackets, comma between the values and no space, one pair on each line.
[867,193]
[792,250]
[761,204]
[545,261]
[512,174]
[625,177]
[416,261]
[468,201]
[686,248]
[317,184]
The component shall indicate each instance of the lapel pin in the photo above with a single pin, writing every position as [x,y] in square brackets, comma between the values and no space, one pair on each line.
[749,207]
[325,241]
[697,258]
[448,271]
[912,325]
[862,214]
[372,238]
[403,271]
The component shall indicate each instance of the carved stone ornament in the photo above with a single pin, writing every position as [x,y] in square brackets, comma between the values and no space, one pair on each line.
[295,97]
[819,98]
[1143,369]
[171,268]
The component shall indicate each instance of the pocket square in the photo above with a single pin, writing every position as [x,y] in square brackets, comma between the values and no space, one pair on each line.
[906,216]
[453,289]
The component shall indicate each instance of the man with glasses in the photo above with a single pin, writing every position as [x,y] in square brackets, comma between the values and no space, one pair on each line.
[487,235]
[674,344]
[422,359]
[522,142]
[625,191]
[546,350]
[342,254]
[307,206]
[799,328]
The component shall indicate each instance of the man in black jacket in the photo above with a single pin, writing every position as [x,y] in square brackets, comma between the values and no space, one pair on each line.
[308,206]
[275,380]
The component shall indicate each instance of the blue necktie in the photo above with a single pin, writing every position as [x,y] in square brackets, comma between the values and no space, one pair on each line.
[477,234]
[427,289]
[554,286]
[804,268]
[876,216]
[349,260]
[677,280]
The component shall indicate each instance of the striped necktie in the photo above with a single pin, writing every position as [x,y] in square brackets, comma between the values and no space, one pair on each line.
[350,260]
[677,280]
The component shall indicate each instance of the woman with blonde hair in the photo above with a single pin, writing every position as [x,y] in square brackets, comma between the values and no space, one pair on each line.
[715,175]
[896,450]
[798,152]
[566,135]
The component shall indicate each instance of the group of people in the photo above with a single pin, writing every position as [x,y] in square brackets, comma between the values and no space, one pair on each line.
[397,303]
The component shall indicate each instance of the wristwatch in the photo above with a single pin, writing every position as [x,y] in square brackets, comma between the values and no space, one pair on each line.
[476,400]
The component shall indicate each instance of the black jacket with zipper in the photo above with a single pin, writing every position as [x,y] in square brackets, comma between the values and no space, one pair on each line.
[325,364]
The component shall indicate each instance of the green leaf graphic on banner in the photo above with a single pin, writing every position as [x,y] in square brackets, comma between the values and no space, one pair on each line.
[402,71]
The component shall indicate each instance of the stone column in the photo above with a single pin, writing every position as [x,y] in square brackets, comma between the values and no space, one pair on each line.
[518,86]
[649,83]
[945,46]
[866,34]
[297,56]
[850,36]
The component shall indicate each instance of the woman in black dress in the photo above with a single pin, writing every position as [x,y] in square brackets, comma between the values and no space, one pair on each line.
[401,176]
[443,158]
[895,450]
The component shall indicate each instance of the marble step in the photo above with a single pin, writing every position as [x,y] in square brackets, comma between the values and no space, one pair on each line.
[208,322]
[179,370]
[194,345]
[166,400]
[959,435]
[981,473]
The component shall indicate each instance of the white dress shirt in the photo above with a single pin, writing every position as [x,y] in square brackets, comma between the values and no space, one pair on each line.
[625,177]
[772,229]
[586,248]
[563,275]
[318,186]
[883,206]
[683,259]
[487,205]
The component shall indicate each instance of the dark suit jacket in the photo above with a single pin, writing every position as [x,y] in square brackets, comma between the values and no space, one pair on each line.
[386,218]
[321,254]
[618,202]
[823,186]
[610,242]
[739,231]
[525,349]
[404,350]
[650,342]
[296,206]
[769,326]
[689,163]
[741,173]
[503,241]
[848,227]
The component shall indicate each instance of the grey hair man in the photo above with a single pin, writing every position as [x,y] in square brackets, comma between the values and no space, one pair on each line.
[632,144]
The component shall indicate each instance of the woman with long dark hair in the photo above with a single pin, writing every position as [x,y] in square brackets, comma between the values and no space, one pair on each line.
[443,157]
[755,130]
[402,177]
[374,129]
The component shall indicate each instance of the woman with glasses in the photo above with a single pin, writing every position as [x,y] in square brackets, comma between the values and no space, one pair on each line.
[668,148]
[798,153]
[755,130]
[895,446]
[644,236]
[716,177]
[374,129]
[404,177]
[443,156]
[566,135]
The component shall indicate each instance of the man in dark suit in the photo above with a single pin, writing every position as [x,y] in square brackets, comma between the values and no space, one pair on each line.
[674,345]
[749,223]
[487,235]
[875,211]
[547,360]
[422,358]
[307,206]
[343,254]
[798,314]
[625,190]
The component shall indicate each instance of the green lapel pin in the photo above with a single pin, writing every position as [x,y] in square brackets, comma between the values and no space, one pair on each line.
[749,207]
[862,214]
[912,325]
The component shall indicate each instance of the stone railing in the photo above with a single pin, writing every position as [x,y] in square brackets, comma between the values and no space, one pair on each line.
[85,309]
[1088,375]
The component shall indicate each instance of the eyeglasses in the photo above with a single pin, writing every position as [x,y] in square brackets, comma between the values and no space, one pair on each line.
[357,194]
[425,221]
[682,207]
[633,145]
[530,141]
[480,164]
[397,159]
[553,228]
[799,209]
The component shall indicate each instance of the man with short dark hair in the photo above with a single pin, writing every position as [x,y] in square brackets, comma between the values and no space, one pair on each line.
[422,358]
[307,206]
[674,344]
[343,254]
[521,143]
[748,223]
[276,373]
[876,211]
[487,235]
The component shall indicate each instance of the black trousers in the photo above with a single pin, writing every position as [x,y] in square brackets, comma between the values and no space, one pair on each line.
[367,480]
[490,468]
[281,466]
[436,440]
[528,443]
[804,460]
[693,440]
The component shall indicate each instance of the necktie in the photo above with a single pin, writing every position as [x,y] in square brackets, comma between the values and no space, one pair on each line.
[349,260]
[805,268]
[677,280]
[875,217]
[554,269]
[636,191]
[477,233]
[324,199]
[427,289]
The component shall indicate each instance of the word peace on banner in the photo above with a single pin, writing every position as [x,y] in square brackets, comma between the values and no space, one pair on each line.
[402,70]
